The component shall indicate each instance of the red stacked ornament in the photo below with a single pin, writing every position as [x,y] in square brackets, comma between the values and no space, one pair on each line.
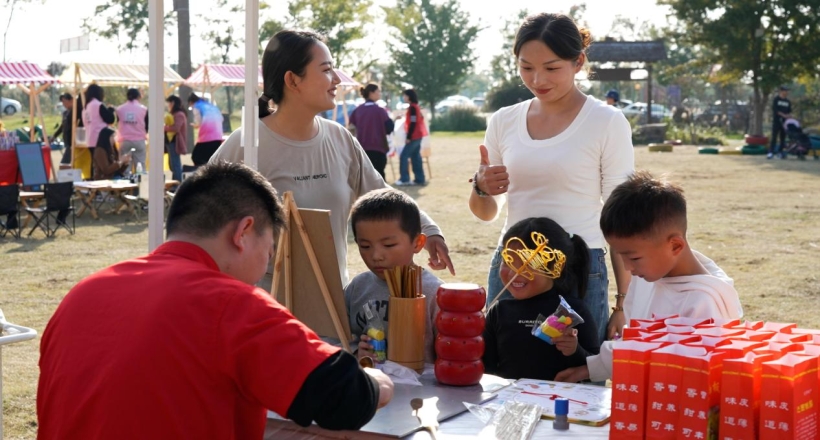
[460,324]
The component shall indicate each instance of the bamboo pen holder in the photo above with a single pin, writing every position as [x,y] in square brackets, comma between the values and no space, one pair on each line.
[405,331]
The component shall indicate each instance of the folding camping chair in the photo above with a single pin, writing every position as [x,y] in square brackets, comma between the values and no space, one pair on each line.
[10,210]
[59,201]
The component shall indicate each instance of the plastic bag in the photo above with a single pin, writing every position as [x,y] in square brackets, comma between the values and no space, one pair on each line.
[558,323]
[513,421]
[375,330]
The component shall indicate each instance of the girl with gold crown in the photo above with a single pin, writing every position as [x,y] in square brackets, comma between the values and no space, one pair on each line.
[542,263]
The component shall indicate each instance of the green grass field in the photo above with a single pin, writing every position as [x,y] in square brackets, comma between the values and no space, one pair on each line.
[758,219]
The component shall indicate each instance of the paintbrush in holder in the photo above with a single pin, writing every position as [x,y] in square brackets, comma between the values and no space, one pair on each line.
[406,313]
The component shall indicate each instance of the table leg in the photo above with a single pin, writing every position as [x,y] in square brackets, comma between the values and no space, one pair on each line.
[87,200]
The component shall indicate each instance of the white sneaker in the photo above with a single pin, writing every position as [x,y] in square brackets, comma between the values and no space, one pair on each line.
[400,183]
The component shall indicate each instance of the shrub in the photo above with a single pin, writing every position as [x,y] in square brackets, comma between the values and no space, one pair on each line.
[459,119]
[506,94]
[696,134]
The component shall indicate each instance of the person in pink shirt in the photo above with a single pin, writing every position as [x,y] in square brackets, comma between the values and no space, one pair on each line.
[96,115]
[133,126]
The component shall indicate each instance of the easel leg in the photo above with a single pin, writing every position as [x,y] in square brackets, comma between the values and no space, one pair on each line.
[314,263]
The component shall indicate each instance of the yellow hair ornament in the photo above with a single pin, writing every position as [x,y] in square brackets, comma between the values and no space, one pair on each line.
[543,259]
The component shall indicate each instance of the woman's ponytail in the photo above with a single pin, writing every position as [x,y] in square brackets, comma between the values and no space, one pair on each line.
[264,106]
[580,264]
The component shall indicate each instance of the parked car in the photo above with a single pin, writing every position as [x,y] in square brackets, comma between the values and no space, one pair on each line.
[10,106]
[638,109]
[454,101]
[623,103]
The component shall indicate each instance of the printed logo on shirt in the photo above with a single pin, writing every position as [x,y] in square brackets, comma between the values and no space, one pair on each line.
[310,177]
[130,118]
[527,322]
[377,307]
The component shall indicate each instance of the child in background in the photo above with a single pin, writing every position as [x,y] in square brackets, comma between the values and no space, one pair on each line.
[561,268]
[387,228]
[644,220]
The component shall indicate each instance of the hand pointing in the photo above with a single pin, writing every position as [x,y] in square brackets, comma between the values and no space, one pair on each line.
[492,179]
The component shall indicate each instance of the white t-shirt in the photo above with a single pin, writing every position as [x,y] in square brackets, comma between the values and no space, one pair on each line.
[566,177]
[329,171]
[692,296]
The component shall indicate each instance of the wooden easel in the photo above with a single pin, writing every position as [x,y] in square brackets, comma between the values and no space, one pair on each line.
[299,268]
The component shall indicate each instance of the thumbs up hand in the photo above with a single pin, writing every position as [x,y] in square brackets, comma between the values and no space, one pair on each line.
[492,179]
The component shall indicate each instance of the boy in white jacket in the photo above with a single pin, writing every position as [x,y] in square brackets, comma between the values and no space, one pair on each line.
[644,221]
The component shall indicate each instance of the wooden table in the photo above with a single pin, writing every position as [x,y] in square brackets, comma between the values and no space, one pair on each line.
[463,426]
[116,189]
[111,190]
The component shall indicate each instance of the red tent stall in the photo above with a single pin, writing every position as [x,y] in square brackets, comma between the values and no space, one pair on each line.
[32,80]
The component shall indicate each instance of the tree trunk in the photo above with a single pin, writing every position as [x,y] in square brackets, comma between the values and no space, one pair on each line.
[184,65]
[759,108]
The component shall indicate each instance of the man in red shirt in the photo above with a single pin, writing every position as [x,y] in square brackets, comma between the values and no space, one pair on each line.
[180,344]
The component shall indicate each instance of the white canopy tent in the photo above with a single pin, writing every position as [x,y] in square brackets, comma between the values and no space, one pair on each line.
[124,75]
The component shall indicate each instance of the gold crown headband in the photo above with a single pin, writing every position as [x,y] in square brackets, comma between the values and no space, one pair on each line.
[543,259]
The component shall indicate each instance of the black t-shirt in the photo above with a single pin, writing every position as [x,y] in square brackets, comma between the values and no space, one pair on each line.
[782,105]
[512,352]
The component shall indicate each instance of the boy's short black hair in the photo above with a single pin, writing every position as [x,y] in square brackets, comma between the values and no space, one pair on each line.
[220,193]
[387,204]
[644,206]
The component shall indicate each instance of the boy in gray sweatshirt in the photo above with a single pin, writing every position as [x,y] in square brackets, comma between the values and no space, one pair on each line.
[387,228]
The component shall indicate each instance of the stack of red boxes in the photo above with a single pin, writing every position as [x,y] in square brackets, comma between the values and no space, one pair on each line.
[682,378]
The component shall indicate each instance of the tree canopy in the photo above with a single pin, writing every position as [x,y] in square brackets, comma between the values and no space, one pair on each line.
[766,43]
[433,51]
[341,22]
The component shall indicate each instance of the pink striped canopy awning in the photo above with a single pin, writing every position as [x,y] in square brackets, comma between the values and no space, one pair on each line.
[24,73]
[216,75]
[105,75]
[347,81]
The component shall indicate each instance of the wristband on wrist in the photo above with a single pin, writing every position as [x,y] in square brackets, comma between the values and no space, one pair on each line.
[477,190]
[617,309]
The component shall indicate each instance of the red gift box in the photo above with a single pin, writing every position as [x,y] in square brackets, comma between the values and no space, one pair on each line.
[755,335]
[788,393]
[639,325]
[740,396]
[739,347]
[788,337]
[749,325]
[779,348]
[700,397]
[630,368]
[709,342]
[778,327]
[672,338]
[691,322]
[666,367]
[719,332]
